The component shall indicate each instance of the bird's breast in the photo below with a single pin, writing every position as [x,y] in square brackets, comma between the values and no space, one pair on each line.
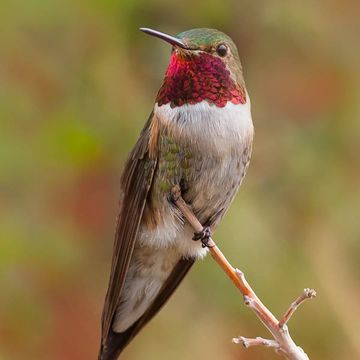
[204,147]
[206,127]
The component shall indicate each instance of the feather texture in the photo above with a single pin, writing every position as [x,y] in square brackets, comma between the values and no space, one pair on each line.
[135,184]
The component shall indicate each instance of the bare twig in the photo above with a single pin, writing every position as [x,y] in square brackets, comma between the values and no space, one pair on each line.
[259,341]
[282,342]
[307,294]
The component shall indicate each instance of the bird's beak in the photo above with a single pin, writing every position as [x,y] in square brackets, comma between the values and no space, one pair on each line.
[168,38]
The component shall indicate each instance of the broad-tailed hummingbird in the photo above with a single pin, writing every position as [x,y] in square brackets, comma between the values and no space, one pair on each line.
[198,137]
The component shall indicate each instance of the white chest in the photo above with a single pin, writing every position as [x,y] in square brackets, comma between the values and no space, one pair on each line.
[208,127]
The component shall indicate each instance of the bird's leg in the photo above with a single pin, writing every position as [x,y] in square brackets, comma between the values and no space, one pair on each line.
[204,235]
[184,187]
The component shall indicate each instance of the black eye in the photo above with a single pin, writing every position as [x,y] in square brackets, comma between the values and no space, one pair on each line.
[221,50]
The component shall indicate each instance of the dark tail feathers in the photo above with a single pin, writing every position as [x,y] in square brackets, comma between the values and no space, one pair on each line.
[116,342]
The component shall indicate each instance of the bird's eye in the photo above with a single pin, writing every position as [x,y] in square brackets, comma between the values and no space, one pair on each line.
[222,50]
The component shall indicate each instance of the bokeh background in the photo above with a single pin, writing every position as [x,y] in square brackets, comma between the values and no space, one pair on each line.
[77,82]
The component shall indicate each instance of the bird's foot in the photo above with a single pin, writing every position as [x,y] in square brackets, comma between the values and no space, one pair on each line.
[204,236]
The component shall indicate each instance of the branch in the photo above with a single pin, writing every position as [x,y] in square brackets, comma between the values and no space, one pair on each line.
[282,341]
[307,294]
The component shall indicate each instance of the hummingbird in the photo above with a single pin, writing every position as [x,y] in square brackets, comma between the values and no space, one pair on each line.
[198,137]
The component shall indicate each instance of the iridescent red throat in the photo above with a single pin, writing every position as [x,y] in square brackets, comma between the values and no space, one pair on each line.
[203,77]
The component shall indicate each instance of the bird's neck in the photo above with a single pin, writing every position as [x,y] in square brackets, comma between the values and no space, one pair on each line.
[201,77]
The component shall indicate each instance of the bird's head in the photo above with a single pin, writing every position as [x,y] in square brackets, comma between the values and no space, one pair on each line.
[204,65]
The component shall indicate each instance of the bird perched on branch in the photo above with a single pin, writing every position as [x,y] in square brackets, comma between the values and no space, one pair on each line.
[198,137]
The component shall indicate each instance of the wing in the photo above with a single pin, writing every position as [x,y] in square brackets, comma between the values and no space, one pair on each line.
[136,184]
[136,181]
[116,342]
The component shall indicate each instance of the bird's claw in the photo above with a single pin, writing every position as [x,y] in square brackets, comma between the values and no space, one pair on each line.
[203,235]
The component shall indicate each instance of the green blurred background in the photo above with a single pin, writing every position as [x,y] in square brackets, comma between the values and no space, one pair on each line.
[77,82]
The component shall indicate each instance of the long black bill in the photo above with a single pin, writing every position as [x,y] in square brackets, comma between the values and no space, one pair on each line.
[168,38]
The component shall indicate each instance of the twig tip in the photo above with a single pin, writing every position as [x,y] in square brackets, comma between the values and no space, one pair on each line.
[310,293]
[241,340]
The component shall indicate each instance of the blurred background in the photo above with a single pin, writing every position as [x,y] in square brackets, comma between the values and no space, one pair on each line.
[77,82]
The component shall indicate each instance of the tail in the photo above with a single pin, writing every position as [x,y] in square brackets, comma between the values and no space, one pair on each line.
[115,343]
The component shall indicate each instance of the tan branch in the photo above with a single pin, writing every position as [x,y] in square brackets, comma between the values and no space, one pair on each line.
[282,341]
[307,294]
[259,341]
